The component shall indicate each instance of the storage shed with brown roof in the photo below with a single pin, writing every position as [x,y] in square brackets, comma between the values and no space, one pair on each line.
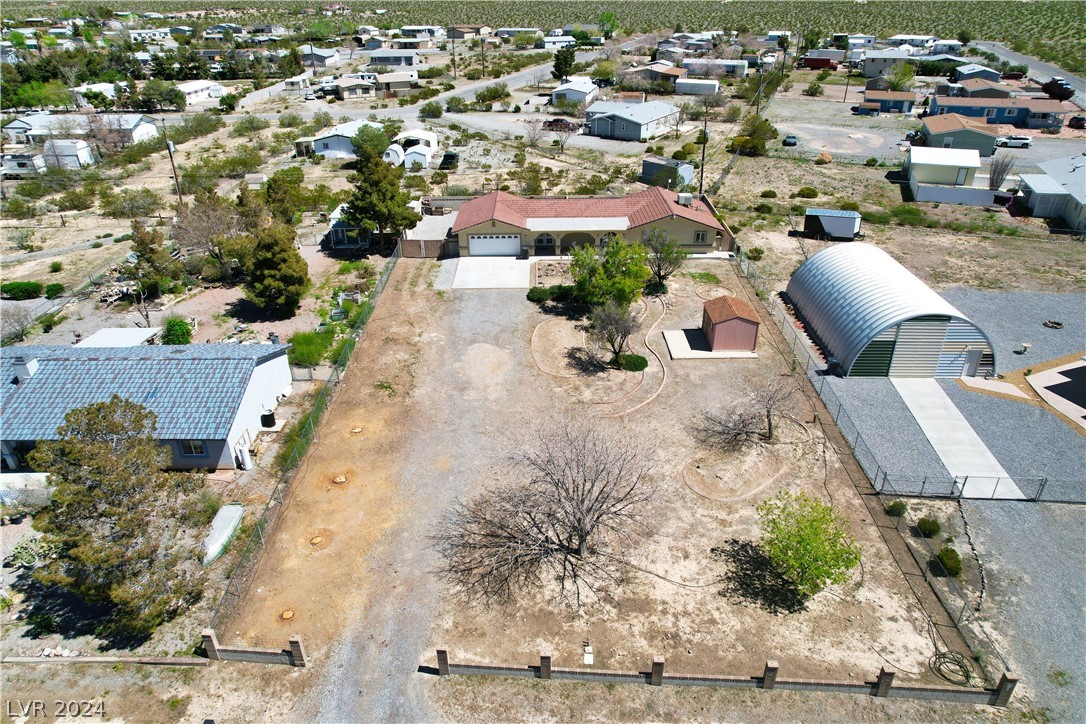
[730,323]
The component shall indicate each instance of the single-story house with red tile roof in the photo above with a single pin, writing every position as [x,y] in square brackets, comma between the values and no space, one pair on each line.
[501,224]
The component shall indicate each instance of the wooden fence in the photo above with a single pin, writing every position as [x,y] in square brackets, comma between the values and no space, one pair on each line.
[882,686]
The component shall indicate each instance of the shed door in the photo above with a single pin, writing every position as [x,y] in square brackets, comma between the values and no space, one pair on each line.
[962,174]
[494,245]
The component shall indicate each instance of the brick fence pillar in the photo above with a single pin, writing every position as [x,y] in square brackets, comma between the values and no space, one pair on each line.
[297,652]
[769,677]
[211,643]
[544,666]
[656,678]
[1004,690]
[442,662]
[885,682]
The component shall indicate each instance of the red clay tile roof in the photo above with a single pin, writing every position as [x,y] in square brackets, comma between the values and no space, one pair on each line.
[722,309]
[648,206]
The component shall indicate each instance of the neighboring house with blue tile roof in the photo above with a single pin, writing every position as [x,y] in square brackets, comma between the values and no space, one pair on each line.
[208,398]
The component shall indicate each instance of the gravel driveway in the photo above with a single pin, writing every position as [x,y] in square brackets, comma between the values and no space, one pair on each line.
[1034,555]
[465,371]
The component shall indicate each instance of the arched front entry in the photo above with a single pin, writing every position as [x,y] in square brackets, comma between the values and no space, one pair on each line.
[576,239]
[545,245]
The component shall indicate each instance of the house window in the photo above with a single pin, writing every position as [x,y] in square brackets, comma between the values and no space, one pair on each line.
[324,146]
[622,126]
[989,112]
[193,448]
[941,112]
[700,237]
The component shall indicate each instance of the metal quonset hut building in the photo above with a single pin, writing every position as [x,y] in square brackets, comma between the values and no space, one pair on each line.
[873,318]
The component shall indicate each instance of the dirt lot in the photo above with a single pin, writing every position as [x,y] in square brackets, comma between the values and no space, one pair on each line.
[421,419]
[1005,252]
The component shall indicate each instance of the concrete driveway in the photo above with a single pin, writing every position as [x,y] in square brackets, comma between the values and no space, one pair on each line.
[491,272]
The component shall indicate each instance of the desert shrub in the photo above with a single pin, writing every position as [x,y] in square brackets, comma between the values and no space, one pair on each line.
[48,321]
[177,331]
[130,203]
[807,192]
[755,253]
[633,362]
[290,120]
[75,200]
[690,149]
[309,348]
[908,215]
[897,508]
[431,109]
[680,155]
[850,206]
[764,208]
[55,266]
[655,288]
[538,295]
[871,162]
[950,560]
[97,245]
[21,290]
[248,125]
[52,291]
[929,527]
[768,194]
[17,208]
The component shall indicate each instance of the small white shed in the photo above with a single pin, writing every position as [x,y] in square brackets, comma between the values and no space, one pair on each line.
[67,154]
[696,87]
[832,223]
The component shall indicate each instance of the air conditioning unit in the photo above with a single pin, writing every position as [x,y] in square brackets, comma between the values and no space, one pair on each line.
[686,199]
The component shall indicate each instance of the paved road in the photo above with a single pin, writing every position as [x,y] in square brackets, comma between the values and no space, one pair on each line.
[1038,69]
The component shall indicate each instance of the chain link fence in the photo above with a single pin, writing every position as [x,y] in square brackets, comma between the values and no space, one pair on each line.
[895,482]
[241,575]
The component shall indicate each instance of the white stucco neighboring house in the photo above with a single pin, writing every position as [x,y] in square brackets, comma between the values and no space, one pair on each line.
[335,142]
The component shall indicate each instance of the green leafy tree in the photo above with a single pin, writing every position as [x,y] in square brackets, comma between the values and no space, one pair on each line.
[177,331]
[665,255]
[377,202]
[901,77]
[607,24]
[564,60]
[279,277]
[127,531]
[814,89]
[619,274]
[372,138]
[965,37]
[807,542]
[430,110]
[604,70]
[291,63]
[283,193]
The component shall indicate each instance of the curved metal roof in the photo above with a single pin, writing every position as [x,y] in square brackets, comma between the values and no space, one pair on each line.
[852,292]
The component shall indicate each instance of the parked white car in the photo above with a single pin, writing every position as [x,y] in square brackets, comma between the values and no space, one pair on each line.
[1014,141]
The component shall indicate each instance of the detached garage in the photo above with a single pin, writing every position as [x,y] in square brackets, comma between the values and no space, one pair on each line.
[494,244]
[874,318]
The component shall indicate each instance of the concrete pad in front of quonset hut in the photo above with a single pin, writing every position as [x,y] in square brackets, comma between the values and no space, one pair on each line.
[958,445]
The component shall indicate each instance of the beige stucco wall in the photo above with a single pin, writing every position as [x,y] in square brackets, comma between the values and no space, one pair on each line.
[682,229]
[940,174]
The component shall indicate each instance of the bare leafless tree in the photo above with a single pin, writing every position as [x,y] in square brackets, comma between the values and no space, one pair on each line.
[16,323]
[612,324]
[1001,168]
[533,133]
[563,137]
[540,77]
[201,225]
[611,52]
[569,520]
[749,420]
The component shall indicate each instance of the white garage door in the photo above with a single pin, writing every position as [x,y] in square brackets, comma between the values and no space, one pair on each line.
[494,245]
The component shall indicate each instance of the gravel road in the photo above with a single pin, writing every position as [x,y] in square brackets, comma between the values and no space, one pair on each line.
[1034,555]
[1038,69]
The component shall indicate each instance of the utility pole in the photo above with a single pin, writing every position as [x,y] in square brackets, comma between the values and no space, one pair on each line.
[848,79]
[758,99]
[454,57]
[169,150]
[482,53]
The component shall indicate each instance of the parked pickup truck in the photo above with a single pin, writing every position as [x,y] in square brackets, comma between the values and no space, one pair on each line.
[560,124]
